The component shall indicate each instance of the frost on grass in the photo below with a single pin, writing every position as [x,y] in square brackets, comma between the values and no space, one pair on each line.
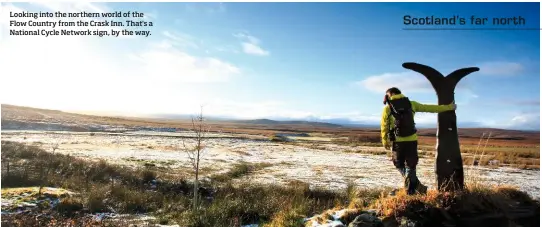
[329,166]
[19,200]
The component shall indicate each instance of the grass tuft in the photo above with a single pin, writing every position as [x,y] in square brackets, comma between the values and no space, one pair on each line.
[225,203]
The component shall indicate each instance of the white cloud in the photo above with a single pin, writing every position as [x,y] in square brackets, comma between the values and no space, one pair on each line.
[517,121]
[254,49]
[426,119]
[163,44]
[530,120]
[169,64]
[500,68]
[351,116]
[58,71]
[407,81]
[274,109]
[181,40]
[279,110]
[226,49]
[87,73]
[249,38]
[150,16]
[251,45]
[253,110]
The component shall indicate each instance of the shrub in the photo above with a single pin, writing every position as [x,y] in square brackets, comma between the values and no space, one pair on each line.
[364,139]
[95,200]
[147,175]
[69,205]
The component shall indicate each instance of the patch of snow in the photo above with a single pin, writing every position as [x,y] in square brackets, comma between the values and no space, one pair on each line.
[338,214]
[251,225]
[328,223]
[13,204]
[27,204]
[328,166]
[115,216]
[334,222]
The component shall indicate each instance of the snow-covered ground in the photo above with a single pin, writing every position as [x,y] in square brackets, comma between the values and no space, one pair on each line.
[328,167]
[26,200]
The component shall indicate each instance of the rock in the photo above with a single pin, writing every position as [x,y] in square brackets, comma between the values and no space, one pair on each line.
[373,212]
[390,222]
[348,215]
[405,222]
[367,219]
[336,224]
[280,138]
[394,192]
[493,162]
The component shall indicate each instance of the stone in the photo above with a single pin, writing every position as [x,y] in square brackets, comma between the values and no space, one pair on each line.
[367,219]
[390,222]
[405,222]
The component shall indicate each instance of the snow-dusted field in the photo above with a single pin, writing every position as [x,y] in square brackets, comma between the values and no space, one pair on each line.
[330,168]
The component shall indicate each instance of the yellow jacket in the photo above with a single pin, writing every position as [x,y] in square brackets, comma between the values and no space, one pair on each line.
[388,120]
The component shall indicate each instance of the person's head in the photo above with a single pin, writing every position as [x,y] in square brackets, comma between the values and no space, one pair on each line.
[393,91]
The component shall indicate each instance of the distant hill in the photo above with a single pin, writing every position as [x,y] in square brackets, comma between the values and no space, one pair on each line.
[19,117]
[274,122]
[263,121]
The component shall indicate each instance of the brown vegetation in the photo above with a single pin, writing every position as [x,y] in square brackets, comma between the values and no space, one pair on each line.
[507,147]
[104,187]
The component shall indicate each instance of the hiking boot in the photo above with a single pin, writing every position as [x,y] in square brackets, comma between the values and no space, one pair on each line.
[422,189]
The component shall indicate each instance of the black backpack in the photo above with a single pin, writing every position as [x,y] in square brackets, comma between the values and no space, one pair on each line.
[401,110]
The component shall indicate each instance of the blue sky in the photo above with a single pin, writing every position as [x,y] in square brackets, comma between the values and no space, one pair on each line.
[316,61]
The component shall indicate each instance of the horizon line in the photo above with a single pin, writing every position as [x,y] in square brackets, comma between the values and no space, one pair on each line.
[164,116]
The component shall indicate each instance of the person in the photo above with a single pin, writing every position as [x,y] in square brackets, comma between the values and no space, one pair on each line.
[398,132]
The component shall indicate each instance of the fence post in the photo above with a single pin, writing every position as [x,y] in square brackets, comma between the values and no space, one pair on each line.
[448,165]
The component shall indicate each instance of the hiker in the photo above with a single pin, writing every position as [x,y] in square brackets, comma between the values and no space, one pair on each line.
[398,131]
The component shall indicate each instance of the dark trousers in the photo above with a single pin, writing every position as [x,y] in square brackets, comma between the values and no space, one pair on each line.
[405,159]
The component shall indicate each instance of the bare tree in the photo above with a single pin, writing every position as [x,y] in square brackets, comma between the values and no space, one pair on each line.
[55,144]
[195,152]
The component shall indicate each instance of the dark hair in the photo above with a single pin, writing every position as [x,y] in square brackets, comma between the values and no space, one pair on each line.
[394,90]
